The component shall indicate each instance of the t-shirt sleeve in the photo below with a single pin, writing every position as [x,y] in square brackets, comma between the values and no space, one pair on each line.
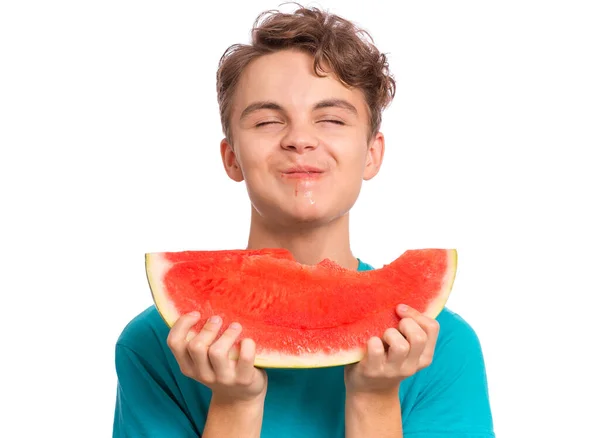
[145,406]
[452,400]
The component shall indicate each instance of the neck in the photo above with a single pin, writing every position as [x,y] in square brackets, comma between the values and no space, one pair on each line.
[309,245]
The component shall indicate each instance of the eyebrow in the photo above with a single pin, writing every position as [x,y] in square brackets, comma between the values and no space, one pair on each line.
[327,103]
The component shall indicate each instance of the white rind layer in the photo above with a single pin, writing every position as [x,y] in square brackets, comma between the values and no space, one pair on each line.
[437,305]
[312,360]
[156,268]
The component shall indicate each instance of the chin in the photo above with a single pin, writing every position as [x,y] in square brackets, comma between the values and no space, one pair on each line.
[309,216]
[309,219]
[308,212]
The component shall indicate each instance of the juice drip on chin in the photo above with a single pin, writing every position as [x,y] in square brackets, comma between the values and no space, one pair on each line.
[307,193]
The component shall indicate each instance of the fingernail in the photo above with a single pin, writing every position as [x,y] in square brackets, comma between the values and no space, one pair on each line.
[235,326]
[215,319]
[195,314]
[402,307]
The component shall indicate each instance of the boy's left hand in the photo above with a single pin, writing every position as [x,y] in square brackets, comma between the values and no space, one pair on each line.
[409,348]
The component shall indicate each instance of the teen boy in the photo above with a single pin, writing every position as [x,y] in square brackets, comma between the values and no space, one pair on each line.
[301,111]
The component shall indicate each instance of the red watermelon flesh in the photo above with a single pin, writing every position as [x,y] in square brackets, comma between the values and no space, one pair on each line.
[300,316]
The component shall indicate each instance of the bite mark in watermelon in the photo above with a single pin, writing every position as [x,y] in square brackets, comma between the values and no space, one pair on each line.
[300,316]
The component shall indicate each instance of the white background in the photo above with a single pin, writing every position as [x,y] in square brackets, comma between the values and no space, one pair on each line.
[109,136]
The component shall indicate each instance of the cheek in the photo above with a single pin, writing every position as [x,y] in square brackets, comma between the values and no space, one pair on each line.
[255,164]
[352,160]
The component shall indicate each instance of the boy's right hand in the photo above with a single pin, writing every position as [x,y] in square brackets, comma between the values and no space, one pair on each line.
[202,358]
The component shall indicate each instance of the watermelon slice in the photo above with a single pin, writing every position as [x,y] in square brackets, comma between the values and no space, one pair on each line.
[300,316]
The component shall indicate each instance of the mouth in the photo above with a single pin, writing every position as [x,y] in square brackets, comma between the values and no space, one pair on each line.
[302,172]
[302,169]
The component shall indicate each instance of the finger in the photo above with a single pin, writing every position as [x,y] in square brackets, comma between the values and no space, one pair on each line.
[177,341]
[245,365]
[375,359]
[416,337]
[398,347]
[431,327]
[432,336]
[218,353]
[198,348]
[178,333]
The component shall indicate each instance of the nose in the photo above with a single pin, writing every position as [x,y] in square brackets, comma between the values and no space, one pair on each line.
[299,138]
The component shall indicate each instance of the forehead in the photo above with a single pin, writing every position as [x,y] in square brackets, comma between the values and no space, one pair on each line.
[288,78]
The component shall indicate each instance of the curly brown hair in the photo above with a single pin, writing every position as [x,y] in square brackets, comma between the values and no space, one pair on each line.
[333,41]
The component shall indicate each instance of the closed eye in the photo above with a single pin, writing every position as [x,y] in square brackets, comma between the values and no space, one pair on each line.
[258,125]
[336,122]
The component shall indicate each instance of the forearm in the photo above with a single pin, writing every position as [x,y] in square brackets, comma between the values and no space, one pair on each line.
[373,415]
[227,420]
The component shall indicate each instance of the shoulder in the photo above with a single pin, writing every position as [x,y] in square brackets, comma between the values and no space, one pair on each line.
[457,344]
[153,397]
[451,395]
[142,347]
[145,333]
[458,350]
[455,329]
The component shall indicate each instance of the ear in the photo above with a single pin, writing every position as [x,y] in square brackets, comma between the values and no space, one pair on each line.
[374,156]
[230,162]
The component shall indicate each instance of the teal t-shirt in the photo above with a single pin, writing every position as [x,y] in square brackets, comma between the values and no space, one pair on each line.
[448,399]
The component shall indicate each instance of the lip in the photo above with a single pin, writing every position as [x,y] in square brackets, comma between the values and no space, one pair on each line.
[302,169]
[302,172]
[302,175]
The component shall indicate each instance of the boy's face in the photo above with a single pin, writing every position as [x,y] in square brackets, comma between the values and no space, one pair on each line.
[299,141]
